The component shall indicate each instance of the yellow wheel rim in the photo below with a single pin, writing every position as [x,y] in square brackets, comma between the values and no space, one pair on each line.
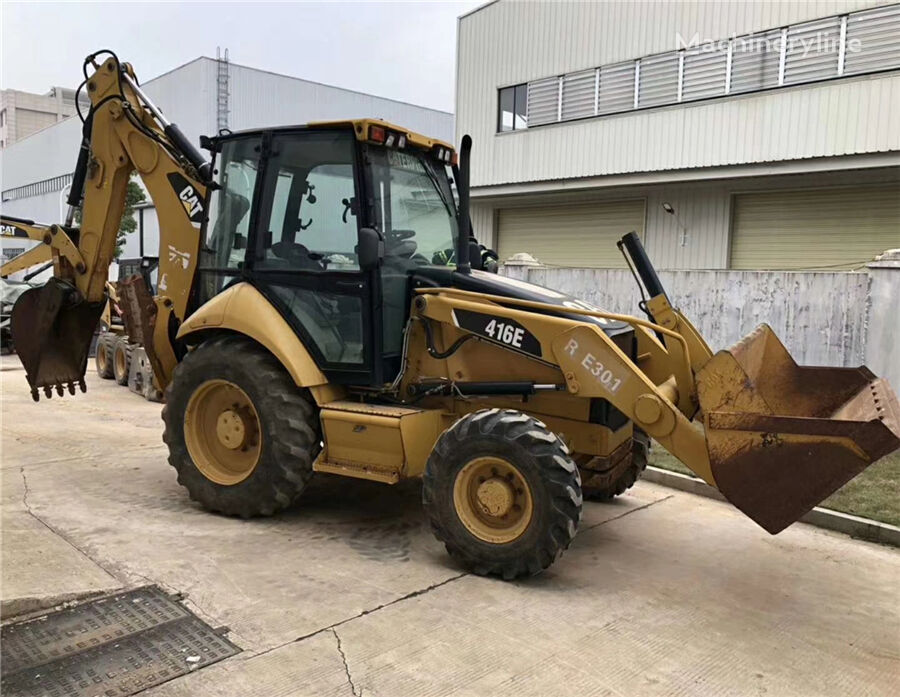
[120,361]
[493,500]
[102,357]
[222,432]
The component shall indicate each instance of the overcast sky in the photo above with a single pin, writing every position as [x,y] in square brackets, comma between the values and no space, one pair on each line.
[401,50]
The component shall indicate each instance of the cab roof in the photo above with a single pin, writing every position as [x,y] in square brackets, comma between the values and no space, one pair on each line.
[361,129]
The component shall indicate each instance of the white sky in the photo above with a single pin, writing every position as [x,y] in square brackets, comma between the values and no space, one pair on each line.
[401,50]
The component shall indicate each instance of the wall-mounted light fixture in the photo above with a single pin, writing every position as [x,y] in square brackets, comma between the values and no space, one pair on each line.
[668,208]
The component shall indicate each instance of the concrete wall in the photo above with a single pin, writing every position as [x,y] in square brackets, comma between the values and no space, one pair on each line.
[25,113]
[824,318]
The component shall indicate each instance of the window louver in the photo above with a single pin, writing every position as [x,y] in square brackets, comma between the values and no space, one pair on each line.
[616,88]
[578,95]
[658,83]
[812,51]
[754,62]
[543,101]
[873,40]
[704,74]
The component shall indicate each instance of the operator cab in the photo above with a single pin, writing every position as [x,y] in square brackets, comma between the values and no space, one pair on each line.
[288,215]
[296,212]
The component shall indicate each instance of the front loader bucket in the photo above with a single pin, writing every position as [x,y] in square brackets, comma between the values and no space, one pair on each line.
[52,331]
[783,437]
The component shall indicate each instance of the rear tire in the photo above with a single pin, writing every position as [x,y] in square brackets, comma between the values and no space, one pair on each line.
[281,449]
[122,351]
[103,357]
[502,493]
[601,484]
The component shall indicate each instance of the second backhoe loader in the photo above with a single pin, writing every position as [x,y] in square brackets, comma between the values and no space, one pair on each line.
[321,307]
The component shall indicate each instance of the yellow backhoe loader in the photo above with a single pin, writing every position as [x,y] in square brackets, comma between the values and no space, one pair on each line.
[321,307]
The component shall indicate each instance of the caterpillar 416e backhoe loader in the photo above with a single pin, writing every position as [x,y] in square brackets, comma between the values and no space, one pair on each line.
[321,307]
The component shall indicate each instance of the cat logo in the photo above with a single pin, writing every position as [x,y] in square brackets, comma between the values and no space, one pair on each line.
[190,198]
[7,230]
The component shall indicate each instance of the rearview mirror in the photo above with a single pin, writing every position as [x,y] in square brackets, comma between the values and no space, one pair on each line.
[370,250]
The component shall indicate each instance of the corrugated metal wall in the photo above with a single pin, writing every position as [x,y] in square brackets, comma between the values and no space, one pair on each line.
[187,95]
[511,42]
[697,235]
[260,98]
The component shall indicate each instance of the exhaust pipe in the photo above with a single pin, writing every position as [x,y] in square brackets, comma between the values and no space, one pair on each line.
[463,264]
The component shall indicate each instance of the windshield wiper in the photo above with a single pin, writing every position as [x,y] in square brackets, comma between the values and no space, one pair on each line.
[437,185]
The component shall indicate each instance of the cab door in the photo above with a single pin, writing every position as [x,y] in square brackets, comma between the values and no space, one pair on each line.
[303,257]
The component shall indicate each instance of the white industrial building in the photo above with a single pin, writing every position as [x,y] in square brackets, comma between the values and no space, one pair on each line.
[201,96]
[745,135]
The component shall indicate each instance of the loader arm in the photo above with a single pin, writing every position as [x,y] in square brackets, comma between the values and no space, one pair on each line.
[123,133]
[774,437]
[22,229]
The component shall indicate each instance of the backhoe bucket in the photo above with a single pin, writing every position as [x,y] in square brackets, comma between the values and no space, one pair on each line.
[783,437]
[52,331]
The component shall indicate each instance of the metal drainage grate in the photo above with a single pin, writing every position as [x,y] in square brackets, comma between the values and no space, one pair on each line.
[112,646]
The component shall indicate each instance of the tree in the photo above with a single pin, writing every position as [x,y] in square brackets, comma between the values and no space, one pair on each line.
[134,194]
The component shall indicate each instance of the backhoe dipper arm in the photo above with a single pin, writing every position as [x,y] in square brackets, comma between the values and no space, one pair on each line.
[123,132]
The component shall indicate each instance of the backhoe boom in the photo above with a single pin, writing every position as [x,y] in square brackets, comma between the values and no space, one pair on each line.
[123,133]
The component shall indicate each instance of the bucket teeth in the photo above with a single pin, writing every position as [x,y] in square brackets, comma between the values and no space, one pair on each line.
[60,388]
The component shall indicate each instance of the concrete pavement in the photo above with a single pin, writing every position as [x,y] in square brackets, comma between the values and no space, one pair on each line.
[661,593]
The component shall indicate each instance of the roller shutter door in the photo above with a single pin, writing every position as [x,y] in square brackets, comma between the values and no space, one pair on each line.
[823,228]
[575,234]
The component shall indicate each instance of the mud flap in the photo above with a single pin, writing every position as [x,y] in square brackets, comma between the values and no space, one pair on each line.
[52,329]
[784,437]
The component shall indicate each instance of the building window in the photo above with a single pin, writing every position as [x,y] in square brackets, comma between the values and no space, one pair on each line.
[513,105]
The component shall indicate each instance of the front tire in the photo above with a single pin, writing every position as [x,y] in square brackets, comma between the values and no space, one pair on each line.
[241,435]
[502,493]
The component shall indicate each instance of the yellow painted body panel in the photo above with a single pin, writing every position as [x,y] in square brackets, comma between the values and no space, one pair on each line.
[380,442]
[244,310]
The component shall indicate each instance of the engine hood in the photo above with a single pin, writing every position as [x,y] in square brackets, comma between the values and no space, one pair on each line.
[495,284]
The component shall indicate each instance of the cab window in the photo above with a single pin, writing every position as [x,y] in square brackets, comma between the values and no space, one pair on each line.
[309,224]
[227,232]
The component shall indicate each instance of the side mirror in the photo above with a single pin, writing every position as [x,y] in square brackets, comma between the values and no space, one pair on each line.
[370,250]
[474,254]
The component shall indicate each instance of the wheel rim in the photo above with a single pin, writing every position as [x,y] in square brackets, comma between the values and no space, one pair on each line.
[120,361]
[222,432]
[493,500]
[102,358]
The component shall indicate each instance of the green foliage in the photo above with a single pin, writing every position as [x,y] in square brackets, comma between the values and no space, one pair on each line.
[134,194]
